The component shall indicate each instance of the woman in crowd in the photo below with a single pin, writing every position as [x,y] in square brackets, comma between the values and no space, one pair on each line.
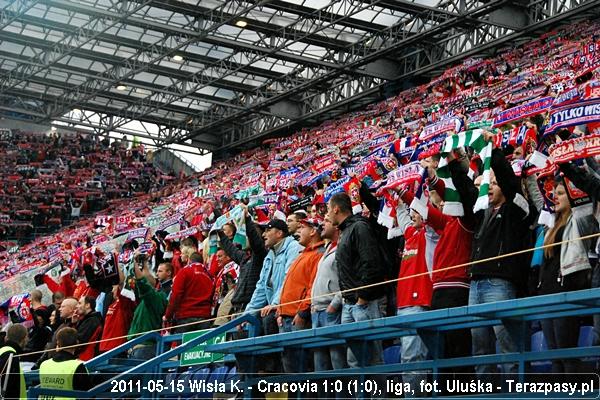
[566,267]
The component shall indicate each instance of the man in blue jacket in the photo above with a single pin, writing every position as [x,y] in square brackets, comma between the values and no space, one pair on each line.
[283,250]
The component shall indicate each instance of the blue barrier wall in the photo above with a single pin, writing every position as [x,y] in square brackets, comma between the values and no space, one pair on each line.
[516,315]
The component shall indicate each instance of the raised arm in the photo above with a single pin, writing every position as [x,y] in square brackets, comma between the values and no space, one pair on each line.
[230,249]
[581,178]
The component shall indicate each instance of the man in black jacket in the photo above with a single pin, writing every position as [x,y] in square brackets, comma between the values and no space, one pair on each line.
[392,248]
[501,229]
[89,327]
[250,265]
[16,338]
[359,262]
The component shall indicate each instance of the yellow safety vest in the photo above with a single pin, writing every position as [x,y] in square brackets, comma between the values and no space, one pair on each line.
[22,392]
[58,375]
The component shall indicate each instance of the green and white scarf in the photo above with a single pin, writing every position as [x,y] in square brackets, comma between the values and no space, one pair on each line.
[475,139]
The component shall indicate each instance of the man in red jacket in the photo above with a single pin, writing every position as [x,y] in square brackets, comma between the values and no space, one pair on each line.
[191,297]
[413,292]
[117,321]
[451,286]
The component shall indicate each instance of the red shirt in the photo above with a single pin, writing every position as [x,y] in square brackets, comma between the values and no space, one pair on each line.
[414,291]
[177,263]
[116,323]
[191,295]
[66,285]
[83,289]
[453,248]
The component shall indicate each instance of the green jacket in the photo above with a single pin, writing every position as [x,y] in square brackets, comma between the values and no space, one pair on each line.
[150,310]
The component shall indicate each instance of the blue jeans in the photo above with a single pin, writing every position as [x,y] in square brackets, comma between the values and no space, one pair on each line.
[293,360]
[333,357]
[373,353]
[413,349]
[487,291]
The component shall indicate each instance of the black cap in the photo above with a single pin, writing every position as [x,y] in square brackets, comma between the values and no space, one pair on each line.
[278,224]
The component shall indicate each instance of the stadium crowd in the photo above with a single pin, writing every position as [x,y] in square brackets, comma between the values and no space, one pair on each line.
[49,181]
[493,157]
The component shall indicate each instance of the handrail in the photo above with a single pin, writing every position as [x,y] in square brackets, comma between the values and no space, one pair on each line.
[427,324]
[149,365]
[106,356]
[581,302]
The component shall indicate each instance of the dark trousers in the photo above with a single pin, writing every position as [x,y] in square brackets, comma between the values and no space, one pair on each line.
[271,362]
[268,363]
[195,324]
[293,360]
[595,284]
[244,366]
[563,332]
[457,343]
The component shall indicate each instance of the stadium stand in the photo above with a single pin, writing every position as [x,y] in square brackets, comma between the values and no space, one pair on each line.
[542,101]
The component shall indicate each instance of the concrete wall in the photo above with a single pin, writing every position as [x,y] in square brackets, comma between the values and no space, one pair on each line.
[24,126]
[167,160]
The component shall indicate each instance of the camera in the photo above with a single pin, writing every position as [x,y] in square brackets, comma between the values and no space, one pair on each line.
[141,258]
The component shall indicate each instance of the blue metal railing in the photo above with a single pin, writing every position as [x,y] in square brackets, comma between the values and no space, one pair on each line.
[430,325]
[150,369]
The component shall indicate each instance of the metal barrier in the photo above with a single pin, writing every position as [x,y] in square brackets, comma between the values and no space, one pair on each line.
[430,325]
[150,370]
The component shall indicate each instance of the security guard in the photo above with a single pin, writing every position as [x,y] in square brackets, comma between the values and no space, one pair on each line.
[64,371]
[14,382]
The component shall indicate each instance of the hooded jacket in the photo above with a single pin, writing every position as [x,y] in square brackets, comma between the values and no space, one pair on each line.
[413,290]
[327,282]
[455,239]
[150,309]
[275,267]
[299,280]
[574,255]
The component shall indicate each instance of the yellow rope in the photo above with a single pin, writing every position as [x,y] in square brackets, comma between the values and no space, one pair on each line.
[463,265]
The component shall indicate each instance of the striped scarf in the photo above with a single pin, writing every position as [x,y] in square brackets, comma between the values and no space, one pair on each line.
[419,203]
[471,138]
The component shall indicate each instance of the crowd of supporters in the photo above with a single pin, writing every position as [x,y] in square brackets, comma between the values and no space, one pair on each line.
[49,181]
[436,188]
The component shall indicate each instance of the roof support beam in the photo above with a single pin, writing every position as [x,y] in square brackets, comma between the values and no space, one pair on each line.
[414,65]
[115,61]
[136,44]
[284,38]
[67,45]
[360,54]
[85,73]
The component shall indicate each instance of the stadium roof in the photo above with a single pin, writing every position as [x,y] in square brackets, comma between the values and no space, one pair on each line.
[219,75]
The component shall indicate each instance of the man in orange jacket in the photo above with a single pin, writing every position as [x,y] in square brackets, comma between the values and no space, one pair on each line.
[294,311]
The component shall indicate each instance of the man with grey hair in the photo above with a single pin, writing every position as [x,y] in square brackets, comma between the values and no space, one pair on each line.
[12,384]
